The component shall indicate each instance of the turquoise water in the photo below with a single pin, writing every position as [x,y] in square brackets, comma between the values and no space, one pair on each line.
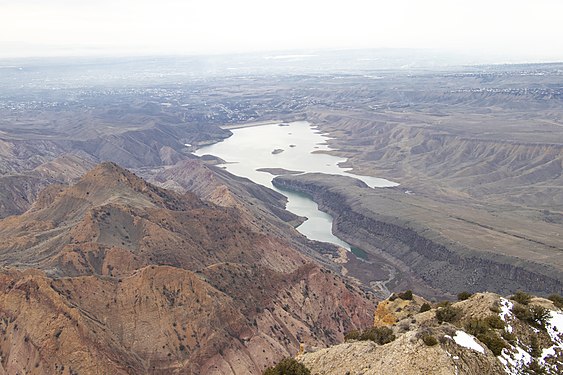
[249,149]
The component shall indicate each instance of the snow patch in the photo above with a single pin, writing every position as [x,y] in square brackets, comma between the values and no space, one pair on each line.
[506,312]
[516,358]
[514,361]
[554,327]
[549,352]
[467,341]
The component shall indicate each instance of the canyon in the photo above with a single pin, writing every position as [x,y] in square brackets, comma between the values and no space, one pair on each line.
[123,252]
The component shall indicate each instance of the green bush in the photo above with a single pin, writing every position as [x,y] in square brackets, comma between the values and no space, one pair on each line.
[352,335]
[425,307]
[494,321]
[429,340]
[463,296]
[521,297]
[447,314]
[477,327]
[288,366]
[539,316]
[380,335]
[534,368]
[535,350]
[534,315]
[521,312]
[482,329]
[509,336]
[495,307]
[557,300]
[443,304]
[406,295]
[493,342]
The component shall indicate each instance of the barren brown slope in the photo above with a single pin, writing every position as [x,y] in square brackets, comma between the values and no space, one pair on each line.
[20,190]
[504,158]
[67,167]
[43,145]
[262,206]
[145,280]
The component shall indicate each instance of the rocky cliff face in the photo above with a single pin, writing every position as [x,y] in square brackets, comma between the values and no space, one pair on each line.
[145,280]
[363,217]
[483,336]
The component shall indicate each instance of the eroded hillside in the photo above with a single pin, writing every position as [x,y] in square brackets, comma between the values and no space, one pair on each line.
[148,280]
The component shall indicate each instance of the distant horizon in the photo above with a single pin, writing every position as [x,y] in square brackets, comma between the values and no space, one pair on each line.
[283,54]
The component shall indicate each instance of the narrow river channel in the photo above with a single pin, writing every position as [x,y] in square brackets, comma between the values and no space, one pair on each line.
[288,146]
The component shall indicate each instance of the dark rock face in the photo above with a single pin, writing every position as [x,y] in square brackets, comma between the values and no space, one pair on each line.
[447,268]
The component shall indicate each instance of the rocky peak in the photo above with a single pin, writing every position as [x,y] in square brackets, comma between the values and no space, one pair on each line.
[146,280]
[110,179]
[109,183]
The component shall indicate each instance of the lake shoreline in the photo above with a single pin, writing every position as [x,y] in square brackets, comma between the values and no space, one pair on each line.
[248,153]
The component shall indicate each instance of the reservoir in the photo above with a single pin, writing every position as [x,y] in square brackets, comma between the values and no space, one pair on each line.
[292,147]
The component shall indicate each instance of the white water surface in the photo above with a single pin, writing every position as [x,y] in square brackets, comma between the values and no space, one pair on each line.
[250,148]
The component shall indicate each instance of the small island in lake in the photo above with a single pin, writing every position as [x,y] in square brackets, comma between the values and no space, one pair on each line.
[212,159]
[277,151]
[278,171]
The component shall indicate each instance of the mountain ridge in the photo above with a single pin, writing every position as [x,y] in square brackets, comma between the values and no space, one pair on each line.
[117,265]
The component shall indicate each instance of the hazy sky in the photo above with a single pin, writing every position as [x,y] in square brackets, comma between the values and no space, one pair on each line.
[530,29]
